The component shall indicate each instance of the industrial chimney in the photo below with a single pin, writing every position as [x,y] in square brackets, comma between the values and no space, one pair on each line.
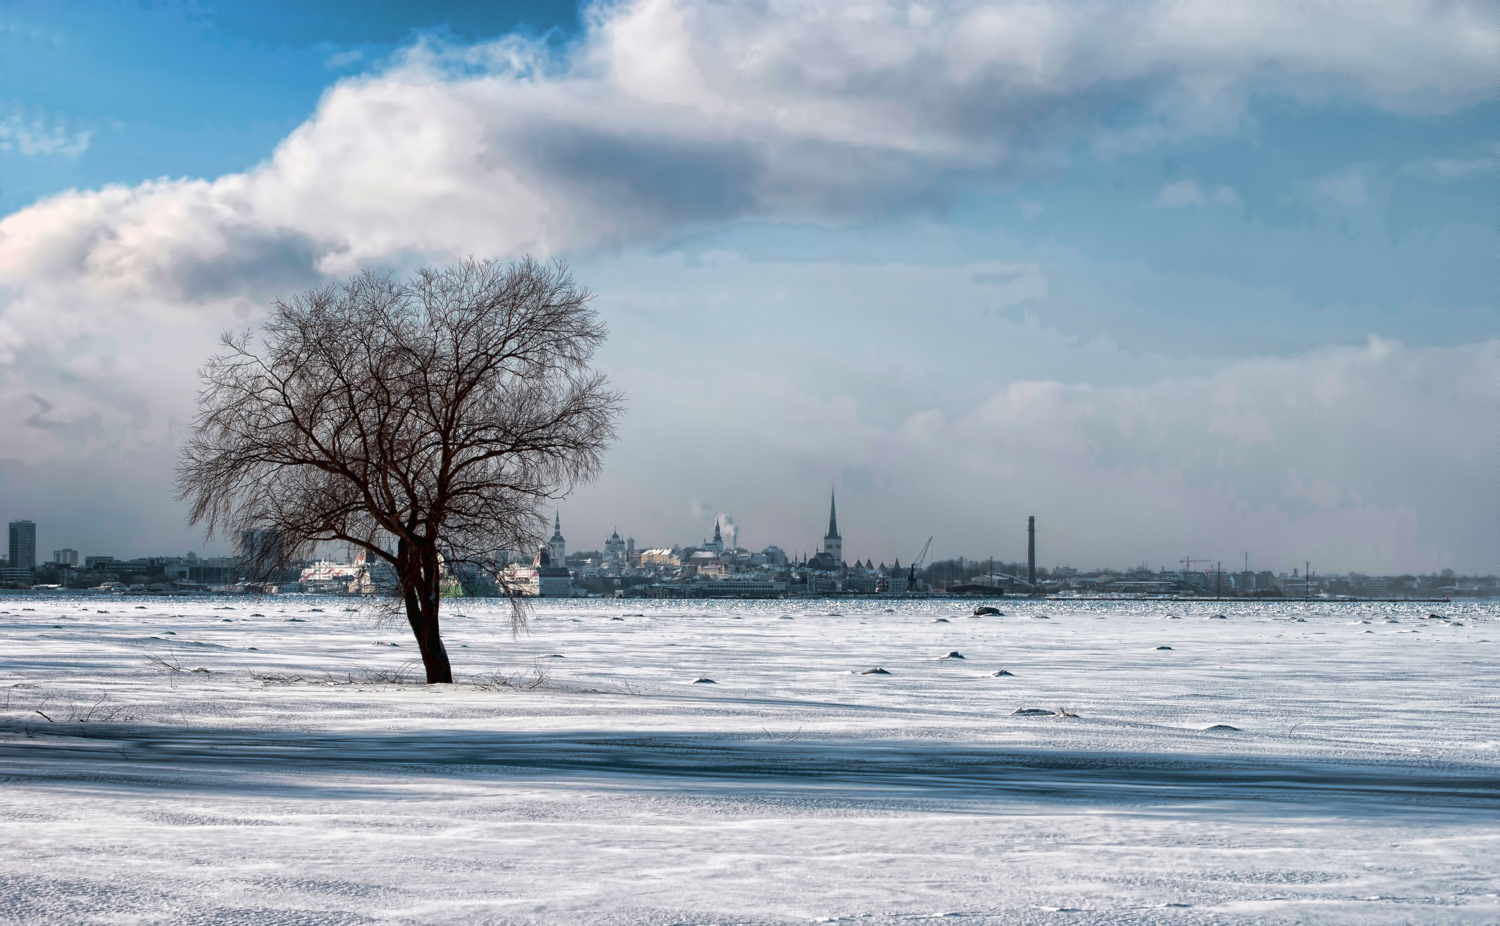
[1031,550]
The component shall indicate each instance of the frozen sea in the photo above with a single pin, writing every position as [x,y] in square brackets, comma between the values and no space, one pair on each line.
[273,761]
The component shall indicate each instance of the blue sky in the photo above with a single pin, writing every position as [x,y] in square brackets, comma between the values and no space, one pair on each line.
[1206,279]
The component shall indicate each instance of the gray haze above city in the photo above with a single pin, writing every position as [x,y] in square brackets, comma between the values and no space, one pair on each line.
[1213,280]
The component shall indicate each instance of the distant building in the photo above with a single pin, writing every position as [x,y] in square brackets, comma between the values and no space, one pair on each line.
[261,554]
[660,556]
[614,548]
[557,546]
[539,580]
[22,545]
[65,558]
[716,544]
[832,555]
[833,544]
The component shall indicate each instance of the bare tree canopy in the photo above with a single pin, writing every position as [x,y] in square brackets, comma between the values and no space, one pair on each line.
[426,422]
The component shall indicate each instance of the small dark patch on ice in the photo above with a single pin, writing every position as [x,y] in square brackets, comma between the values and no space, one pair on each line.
[954,654]
[999,673]
[225,620]
[315,610]
[170,633]
[877,670]
[986,609]
[57,626]
[700,680]
[617,618]
[1164,647]
[1435,617]
[140,607]
[1040,617]
[1221,728]
[1183,906]
[554,656]
[293,620]
[251,649]
[787,617]
[257,615]
[1031,712]
[940,620]
[1216,617]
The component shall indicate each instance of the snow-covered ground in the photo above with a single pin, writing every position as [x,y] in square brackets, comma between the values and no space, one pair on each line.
[243,761]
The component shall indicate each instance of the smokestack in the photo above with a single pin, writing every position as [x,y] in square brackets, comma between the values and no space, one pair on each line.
[1031,550]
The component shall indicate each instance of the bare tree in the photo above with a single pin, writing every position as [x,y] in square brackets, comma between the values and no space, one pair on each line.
[426,422]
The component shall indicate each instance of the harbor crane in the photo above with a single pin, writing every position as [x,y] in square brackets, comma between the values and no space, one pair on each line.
[911,577]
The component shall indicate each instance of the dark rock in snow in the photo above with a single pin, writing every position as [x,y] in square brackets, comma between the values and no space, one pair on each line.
[999,673]
[1031,712]
[986,609]
[700,680]
[953,655]
[1164,647]
[1221,728]
[875,671]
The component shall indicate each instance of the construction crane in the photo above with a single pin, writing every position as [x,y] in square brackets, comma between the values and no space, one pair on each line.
[911,577]
[1187,567]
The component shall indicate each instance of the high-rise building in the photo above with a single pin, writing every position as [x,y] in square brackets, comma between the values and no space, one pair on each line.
[65,557]
[22,545]
[262,554]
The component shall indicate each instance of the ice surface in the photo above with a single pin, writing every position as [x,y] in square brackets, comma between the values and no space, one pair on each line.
[1295,762]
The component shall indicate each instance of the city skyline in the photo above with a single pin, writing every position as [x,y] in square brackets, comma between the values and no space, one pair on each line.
[1194,281]
[827,553]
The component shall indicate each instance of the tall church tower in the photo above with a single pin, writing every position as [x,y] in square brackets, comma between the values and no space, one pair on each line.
[559,546]
[833,544]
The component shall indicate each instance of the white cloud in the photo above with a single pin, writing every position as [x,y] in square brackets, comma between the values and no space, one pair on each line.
[1179,194]
[1347,189]
[35,135]
[664,116]
[1185,193]
[1213,465]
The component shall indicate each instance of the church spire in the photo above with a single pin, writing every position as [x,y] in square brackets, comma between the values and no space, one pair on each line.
[833,517]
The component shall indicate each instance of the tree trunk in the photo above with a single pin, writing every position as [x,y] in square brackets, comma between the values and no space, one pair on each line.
[420,580]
